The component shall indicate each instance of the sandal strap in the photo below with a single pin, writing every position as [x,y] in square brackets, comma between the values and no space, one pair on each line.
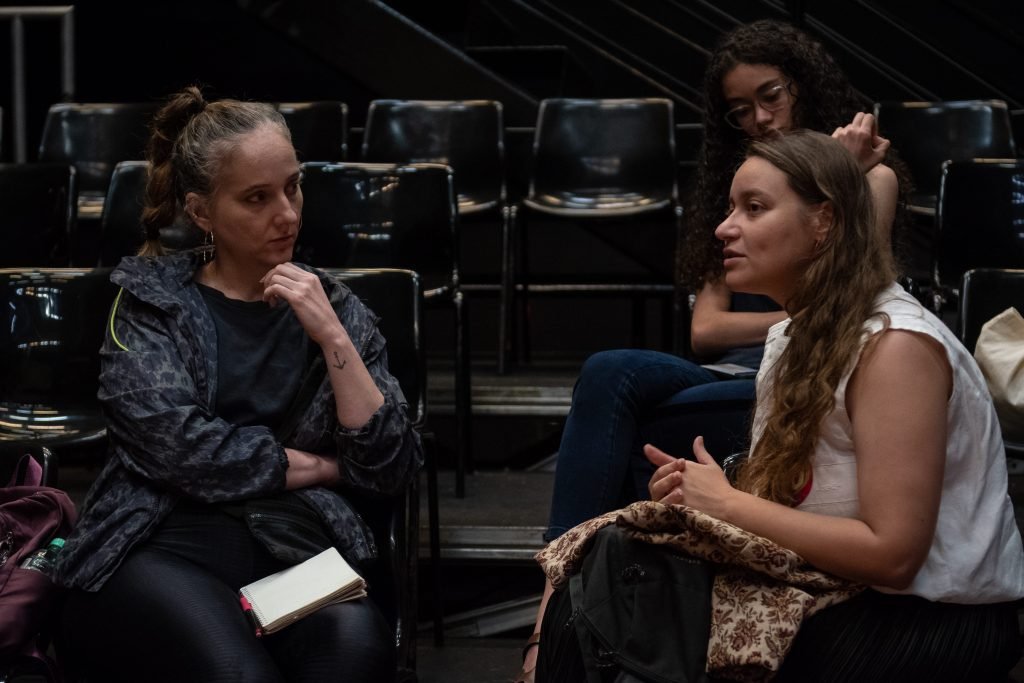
[532,641]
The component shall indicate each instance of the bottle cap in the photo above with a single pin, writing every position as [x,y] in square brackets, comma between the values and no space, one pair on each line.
[59,542]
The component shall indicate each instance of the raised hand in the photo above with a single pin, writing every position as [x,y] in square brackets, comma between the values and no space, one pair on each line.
[862,139]
[305,294]
[668,476]
[701,484]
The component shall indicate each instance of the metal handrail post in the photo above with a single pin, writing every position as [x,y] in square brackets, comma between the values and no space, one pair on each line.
[17,15]
[67,40]
[18,87]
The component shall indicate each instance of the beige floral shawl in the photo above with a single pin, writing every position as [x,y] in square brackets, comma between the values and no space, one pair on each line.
[761,593]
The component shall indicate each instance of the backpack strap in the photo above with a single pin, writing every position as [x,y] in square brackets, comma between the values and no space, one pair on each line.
[583,633]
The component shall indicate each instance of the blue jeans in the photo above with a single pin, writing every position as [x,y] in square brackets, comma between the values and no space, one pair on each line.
[600,463]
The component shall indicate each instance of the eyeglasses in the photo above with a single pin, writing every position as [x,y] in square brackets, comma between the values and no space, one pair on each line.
[773,98]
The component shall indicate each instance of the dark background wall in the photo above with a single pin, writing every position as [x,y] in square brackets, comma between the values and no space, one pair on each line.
[141,51]
[355,50]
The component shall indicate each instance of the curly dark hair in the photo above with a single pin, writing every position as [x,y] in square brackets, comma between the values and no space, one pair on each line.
[825,100]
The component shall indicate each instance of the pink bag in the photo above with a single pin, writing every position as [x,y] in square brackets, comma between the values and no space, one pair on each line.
[30,516]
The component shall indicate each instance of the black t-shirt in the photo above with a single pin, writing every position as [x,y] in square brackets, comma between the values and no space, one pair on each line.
[261,357]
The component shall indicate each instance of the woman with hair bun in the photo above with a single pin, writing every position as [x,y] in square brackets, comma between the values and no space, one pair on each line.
[234,382]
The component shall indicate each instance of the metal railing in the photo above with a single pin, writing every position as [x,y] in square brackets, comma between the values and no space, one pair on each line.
[18,15]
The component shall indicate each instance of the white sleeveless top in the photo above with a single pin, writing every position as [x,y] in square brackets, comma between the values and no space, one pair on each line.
[976,555]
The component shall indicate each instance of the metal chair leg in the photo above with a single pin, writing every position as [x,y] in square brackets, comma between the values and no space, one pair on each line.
[463,396]
[521,287]
[506,295]
[434,525]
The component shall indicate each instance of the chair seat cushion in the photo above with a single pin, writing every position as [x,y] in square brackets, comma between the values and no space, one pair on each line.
[48,424]
[476,203]
[597,203]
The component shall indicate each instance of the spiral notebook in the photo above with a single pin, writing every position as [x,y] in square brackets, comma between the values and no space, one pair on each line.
[283,598]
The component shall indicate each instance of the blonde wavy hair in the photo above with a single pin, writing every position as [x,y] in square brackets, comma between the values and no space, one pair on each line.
[834,297]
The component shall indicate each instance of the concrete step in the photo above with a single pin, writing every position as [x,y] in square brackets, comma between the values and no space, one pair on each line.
[519,393]
[501,518]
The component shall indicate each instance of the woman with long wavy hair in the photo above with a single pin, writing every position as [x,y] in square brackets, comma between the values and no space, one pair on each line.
[876,453]
[763,77]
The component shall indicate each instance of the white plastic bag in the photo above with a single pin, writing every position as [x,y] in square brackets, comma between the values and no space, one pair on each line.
[1000,354]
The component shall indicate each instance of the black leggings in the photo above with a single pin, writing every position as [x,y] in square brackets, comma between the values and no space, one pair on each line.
[170,613]
[872,637]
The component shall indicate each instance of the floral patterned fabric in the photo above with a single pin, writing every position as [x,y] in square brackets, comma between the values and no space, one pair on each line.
[762,591]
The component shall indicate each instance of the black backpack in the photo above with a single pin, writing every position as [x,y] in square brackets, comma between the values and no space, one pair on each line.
[641,612]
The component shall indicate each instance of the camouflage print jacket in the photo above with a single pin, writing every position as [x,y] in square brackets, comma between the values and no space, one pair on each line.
[158,388]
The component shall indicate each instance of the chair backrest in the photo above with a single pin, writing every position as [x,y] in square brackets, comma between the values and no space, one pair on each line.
[979,217]
[38,212]
[467,135]
[1017,126]
[984,294]
[53,321]
[928,133]
[121,231]
[94,137]
[319,129]
[396,295]
[358,215]
[594,156]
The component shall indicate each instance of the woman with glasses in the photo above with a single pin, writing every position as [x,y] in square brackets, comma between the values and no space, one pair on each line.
[770,98]
[763,77]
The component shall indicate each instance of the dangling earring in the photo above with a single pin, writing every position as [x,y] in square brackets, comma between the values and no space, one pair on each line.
[207,250]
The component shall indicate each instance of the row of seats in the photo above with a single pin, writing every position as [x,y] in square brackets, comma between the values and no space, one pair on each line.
[927,134]
[962,156]
[596,160]
[53,322]
[469,135]
[977,218]
[94,137]
[577,145]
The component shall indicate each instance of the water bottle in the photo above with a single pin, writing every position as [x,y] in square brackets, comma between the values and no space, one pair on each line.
[42,560]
